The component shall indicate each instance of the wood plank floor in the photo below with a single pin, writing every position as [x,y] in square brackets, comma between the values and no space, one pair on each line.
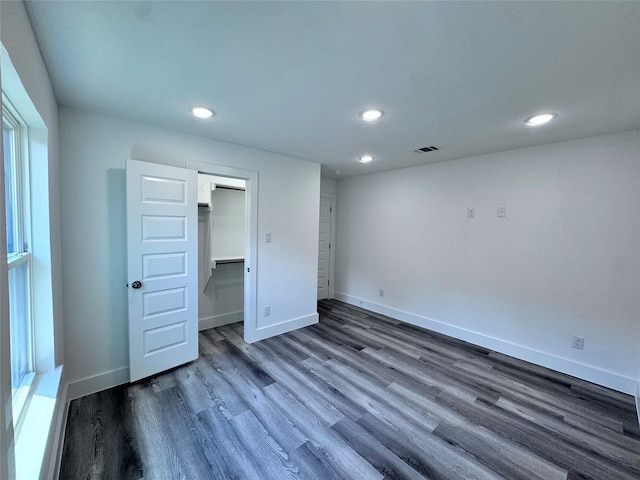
[358,396]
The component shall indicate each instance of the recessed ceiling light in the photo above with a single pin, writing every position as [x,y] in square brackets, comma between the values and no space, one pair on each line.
[370,115]
[202,112]
[365,158]
[539,119]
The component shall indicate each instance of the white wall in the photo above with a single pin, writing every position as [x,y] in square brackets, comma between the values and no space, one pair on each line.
[564,261]
[328,185]
[93,149]
[228,218]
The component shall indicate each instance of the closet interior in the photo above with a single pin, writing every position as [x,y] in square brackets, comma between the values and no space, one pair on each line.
[221,249]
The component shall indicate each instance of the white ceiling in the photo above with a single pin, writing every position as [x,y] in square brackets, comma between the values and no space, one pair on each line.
[291,77]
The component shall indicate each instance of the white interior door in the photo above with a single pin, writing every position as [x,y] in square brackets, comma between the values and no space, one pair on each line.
[162,249]
[324,248]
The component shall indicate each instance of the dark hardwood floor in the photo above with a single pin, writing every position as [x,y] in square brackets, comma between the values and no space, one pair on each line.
[358,396]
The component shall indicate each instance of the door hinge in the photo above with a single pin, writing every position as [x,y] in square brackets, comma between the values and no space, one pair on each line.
[330,209]
[329,246]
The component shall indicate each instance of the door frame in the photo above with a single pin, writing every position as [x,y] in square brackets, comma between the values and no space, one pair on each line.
[332,241]
[251,239]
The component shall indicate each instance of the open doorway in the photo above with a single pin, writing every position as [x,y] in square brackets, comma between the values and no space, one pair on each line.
[221,250]
[227,278]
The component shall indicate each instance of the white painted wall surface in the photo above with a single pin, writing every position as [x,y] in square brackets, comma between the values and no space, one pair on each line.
[228,217]
[93,149]
[564,261]
[328,185]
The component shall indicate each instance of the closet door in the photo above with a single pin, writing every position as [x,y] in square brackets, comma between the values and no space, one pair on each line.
[162,249]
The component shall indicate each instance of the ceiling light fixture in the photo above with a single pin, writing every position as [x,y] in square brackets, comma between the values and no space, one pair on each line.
[371,115]
[202,112]
[365,158]
[541,119]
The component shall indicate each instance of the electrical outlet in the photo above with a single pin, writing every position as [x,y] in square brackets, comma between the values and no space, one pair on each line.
[578,342]
[471,212]
[502,211]
[382,292]
[267,238]
[267,310]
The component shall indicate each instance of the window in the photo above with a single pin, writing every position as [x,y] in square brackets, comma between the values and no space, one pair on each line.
[19,257]
[32,376]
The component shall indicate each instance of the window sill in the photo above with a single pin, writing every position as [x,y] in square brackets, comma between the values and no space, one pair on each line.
[34,432]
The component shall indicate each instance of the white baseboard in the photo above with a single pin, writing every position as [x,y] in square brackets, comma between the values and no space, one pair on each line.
[220,320]
[113,378]
[283,327]
[97,383]
[586,372]
[120,376]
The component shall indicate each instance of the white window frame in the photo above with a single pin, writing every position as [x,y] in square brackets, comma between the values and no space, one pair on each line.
[22,214]
[32,442]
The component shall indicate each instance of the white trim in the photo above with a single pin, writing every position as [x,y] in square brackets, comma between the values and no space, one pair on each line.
[33,442]
[332,241]
[284,327]
[564,365]
[97,383]
[53,455]
[36,142]
[21,401]
[638,401]
[16,259]
[220,320]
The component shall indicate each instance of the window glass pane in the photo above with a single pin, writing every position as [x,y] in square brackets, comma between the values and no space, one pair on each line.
[21,364]
[19,262]
[8,135]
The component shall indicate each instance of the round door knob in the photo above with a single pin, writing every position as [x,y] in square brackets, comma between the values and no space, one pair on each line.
[137,284]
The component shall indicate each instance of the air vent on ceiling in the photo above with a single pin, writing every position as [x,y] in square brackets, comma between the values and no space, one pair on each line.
[430,148]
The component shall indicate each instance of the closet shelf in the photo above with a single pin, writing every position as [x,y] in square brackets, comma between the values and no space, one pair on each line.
[215,261]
